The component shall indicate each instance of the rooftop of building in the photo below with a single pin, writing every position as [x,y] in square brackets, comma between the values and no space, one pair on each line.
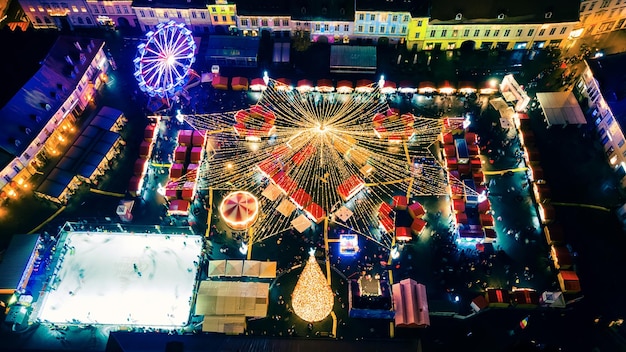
[316,10]
[417,8]
[171,4]
[264,8]
[28,111]
[610,72]
[491,11]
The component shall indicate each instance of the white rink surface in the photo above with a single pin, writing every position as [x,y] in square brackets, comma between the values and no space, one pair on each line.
[97,282]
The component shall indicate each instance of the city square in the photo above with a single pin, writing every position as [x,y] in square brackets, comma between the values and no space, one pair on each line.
[423,206]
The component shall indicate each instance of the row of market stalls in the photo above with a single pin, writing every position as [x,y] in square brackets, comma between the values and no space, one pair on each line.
[559,252]
[472,215]
[361,86]
[236,290]
[87,158]
[140,168]
[559,108]
[518,297]
[187,158]
[390,222]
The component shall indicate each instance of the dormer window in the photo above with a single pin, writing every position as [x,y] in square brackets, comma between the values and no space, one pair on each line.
[501,16]
[549,14]
[459,16]
[303,10]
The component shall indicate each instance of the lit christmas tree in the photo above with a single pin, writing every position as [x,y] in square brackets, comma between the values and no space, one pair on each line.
[312,298]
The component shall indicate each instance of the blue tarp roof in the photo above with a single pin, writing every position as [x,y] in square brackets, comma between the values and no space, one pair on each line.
[106,118]
[15,260]
[25,115]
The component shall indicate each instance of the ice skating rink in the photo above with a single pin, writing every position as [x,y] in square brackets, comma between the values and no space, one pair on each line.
[123,279]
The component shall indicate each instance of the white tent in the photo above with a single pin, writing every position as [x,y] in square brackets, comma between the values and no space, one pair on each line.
[217,268]
[286,207]
[268,270]
[251,268]
[225,304]
[343,213]
[271,192]
[234,268]
[301,223]
[561,108]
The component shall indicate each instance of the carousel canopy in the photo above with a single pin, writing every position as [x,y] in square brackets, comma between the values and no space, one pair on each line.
[239,210]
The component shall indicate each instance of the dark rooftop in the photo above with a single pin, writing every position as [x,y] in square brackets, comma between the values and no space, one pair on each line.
[28,111]
[171,4]
[15,260]
[487,11]
[318,10]
[128,342]
[417,8]
[610,72]
[264,8]
[21,59]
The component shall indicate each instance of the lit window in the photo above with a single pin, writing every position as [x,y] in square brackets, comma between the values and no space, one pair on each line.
[74,8]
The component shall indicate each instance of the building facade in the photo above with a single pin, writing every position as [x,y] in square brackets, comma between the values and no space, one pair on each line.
[39,119]
[601,83]
[56,15]
[324,23]
[118,13]
[223,16]
[530,25]
[254,17]
[601,16]
[387,19]
[194,13]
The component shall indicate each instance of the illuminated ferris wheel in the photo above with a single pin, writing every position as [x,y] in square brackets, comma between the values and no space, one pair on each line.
[163,62]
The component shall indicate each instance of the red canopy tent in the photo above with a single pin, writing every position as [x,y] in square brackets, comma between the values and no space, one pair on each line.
[176,171]
[484,206]
[188,190]
[461,218]
[325,86]
[179,207]
[283,84]
[467,87]
[426,87]
[196,154]
[399,202]
[149,132]
[403,234]
[180,154]
[269,167]
[388,87]
[284,182]
[386,223]
[315,212]
[134,186]
[554,234]
[140,167]
[417,226]
[239,83]
[197,139]
[416,210]
[258,84]
[384,209]
[448,138]
[486,220]
[145,148]
[304,85]
[364,86]
[220,82]
[300,198]
[458,205]
[171,190]
[350,187]
[445,87]
[345,86]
